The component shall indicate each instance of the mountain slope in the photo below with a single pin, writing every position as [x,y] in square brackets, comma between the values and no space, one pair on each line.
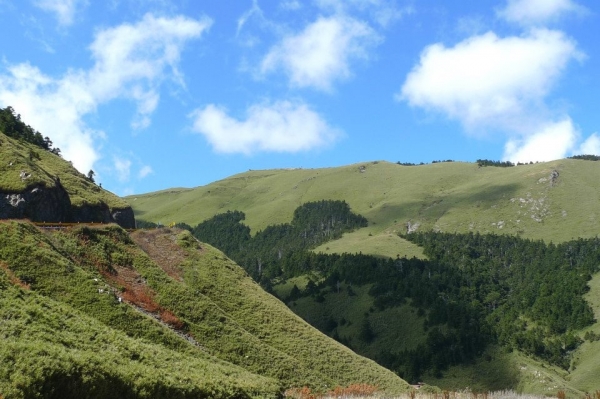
[49,349]
[305,353]
[529,200]
[41,186]
[555,201]
[192,303]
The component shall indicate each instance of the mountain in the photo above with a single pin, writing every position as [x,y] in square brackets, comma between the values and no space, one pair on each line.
[519,281]
[94,311]
[156,314]
[554,201]
[37,184]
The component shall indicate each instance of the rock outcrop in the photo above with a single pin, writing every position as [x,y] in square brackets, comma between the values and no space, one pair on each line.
[39,203]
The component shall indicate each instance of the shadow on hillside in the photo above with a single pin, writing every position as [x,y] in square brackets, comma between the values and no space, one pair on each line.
[494,371]
[435,206]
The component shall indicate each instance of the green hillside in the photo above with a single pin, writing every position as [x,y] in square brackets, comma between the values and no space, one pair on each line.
[25,165]
[51,350]
[555,202]
[449,196]
[401,328]
[155,315]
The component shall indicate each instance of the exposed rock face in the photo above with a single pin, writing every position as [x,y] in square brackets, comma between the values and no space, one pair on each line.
[37,203]
[53,204]
[103,214]
[124,217]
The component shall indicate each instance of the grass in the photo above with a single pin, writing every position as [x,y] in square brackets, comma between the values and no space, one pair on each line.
[43,167]
[586,364]
[182,300]
[284,288]
[498,370]
[449,197]
[444,196]
[50,349]
[387,244]
[296,352]
[400,327]
[395,328]
[356,392]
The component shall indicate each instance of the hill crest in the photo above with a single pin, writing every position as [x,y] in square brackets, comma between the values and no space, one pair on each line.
[41,186]
[555,201]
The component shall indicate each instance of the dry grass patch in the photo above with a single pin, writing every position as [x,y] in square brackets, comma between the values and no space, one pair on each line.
[161,245]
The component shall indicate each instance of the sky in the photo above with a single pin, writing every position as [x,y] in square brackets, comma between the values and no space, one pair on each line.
[154,94]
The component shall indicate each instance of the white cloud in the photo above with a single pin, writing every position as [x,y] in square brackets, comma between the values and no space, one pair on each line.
[487,80]
[122,167]
[538,12]
[255,9]
[145,171]
[290,5]
[384,12]
[130,61]
[322,52]
[489,83]
[554,141]
[280,127]
[63,9]
[55,108]
[591,146]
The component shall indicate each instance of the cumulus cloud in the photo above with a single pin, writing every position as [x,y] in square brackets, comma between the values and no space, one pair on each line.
[64,10]
[553,141]
[55,107]
[538,12]
[591,146]
[322,52]
[130,61]
[279,127]
[489,83]
[487,80]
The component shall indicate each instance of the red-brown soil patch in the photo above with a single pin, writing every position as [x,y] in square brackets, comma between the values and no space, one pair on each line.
[13,278]
[161,246]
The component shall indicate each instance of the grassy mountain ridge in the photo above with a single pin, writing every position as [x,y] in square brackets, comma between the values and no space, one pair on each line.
[189,302]
[554,201]
[42,167]
[95,312]
[37,184]
[454,196]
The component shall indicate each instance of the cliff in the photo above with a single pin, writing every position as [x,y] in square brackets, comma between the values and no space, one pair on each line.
[41,186]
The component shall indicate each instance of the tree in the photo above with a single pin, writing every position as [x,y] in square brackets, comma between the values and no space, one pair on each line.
[90,175]
[366,333]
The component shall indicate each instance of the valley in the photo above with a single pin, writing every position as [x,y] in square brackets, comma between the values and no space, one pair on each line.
[554,202]
[452,273]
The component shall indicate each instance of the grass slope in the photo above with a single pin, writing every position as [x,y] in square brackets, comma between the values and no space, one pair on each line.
[51,350]
[298,349]
[183,299]
[43,167]
[443,196]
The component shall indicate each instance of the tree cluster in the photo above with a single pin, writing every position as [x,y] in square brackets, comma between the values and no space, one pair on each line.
[500,164]
[474,290]
[586,157]
[264,255]
[12,126]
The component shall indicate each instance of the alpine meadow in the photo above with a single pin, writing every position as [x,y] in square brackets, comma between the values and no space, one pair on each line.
[319,199]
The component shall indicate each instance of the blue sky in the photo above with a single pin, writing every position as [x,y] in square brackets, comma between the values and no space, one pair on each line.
[153,94]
